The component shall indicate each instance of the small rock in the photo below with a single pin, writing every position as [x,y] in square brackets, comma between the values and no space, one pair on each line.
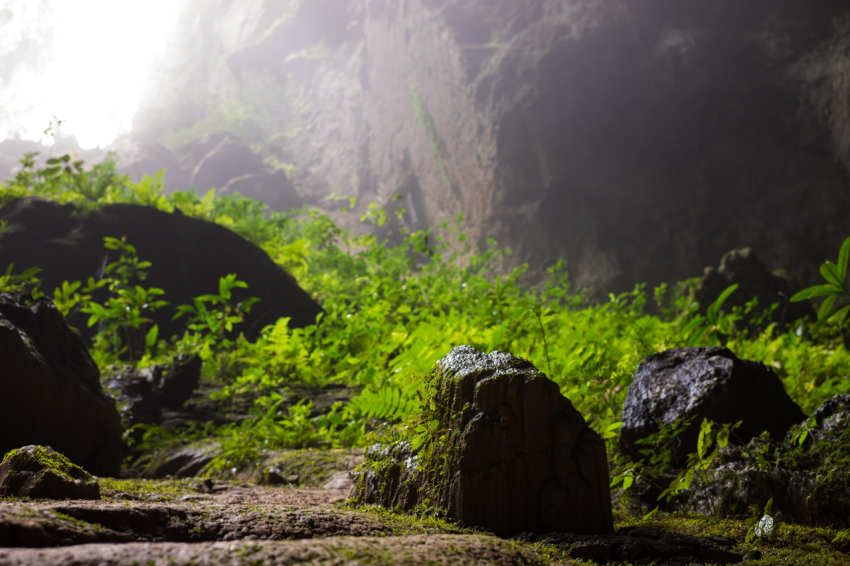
[40,473]
[704,383]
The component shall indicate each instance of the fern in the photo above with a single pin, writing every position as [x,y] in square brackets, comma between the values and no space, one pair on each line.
[389,402]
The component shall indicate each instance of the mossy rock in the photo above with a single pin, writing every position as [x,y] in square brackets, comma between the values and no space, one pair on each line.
[38,472]
[497,446]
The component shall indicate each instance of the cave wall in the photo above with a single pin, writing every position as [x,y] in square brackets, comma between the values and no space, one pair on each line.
[637,140]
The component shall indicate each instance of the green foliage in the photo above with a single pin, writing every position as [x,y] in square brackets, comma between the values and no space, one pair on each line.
[715,325]
[834,289]
[709,444]
[125,327]
[212,316]
[25,282]
[392,311]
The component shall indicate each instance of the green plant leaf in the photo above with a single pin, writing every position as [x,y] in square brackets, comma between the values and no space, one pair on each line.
[815,291]
[843,257]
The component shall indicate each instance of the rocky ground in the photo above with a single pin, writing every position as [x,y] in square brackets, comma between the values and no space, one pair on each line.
[205,522]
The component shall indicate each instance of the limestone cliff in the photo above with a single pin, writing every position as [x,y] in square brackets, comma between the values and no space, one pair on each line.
[638,140]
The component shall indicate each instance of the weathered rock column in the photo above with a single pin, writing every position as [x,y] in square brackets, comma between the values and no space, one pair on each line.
[510,452]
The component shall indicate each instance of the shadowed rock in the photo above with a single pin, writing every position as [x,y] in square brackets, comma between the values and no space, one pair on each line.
[38,472]
[51,391]
[704,383]
[510,452]
[188,257]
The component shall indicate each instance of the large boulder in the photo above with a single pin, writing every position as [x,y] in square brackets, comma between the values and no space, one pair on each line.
[743,268]
[188,258]
[510,452]
[52,394]
[38,472]
[274,189]
[704,383]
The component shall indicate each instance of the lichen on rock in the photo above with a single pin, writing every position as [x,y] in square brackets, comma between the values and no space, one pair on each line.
[496,445]
[38,472]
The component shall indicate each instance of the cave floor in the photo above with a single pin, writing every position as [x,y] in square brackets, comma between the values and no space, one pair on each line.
[202,522]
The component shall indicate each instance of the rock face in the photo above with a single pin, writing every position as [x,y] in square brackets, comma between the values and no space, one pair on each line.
[38,472]
[704,383]
[518,456]
[188,257]
[637,140]
[743,268]
[52,394]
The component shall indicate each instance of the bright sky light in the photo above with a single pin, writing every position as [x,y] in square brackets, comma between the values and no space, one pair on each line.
[94,75]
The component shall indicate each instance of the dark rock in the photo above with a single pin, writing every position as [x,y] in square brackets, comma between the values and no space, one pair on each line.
[833,413]
[274,189]
[519,458]
[38,472]
[146,392]
[704,383]
[188,258]
[743,268]
[228,159]
[52,394]
[640,545]
[177,381]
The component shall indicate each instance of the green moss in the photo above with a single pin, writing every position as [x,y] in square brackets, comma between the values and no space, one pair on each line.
[52,461]
[314,468]
[146,490]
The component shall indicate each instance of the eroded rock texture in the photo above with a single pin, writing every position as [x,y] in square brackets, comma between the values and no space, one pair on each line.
[51,391]
[704,383]
[188,258]
[519,456]
[38,472]
[639,140]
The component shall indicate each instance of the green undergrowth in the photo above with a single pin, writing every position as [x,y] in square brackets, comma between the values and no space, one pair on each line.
[788,545]
[392,308]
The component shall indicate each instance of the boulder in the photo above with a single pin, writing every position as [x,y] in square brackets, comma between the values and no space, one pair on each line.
[704,383]
[51,387]
[743,268]
[509,453]
[38,472]
[188,258]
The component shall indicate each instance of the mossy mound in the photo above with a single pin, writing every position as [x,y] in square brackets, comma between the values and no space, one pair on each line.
[38,472]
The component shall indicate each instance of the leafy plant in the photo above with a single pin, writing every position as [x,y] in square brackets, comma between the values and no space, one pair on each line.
[699,463]
[213,316]
[834,289]
[26,281]
[715,325]
[125,311]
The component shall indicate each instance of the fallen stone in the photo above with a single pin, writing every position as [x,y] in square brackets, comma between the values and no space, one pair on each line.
[518,456]
[38,472]
[51,390]
[704,383]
